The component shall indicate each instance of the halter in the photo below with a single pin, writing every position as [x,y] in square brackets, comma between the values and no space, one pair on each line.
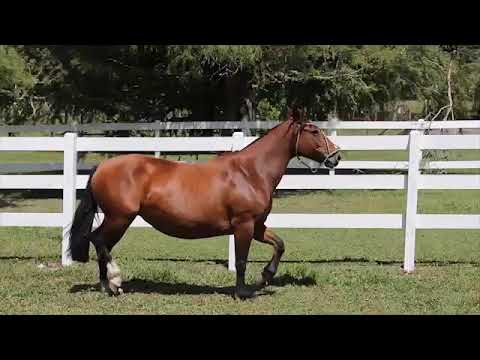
[330,154]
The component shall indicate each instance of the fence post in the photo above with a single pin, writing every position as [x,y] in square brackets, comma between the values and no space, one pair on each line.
[157,134]
[414,158]
[332,132]
[69,191]
[245,124]
[238,142]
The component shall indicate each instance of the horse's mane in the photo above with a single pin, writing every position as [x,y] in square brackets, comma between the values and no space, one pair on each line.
[268,132]
[227,153]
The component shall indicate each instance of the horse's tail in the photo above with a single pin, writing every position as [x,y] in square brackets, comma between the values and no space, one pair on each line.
[79,243]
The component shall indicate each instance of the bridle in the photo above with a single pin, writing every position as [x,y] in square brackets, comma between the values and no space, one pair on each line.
[330,154]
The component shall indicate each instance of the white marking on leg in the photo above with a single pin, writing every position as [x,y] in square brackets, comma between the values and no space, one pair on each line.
[114,278]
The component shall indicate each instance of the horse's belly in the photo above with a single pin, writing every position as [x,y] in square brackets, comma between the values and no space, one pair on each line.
[187,227]
[187,207]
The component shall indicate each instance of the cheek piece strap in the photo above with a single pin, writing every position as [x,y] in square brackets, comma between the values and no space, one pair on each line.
[330,154]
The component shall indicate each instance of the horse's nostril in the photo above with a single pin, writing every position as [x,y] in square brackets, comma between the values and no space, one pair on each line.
[339,158]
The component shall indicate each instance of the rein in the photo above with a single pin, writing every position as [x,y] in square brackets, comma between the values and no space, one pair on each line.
[330,154]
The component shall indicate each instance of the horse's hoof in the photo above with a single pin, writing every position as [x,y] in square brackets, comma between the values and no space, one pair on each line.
[261,282]
[110,288]
[244,294]
[115,290]
[265,279]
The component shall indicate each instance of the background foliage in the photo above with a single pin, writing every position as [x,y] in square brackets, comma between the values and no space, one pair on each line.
[62,84]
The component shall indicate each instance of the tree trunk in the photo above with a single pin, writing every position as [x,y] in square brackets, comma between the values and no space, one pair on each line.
[232,99]
[476,101]
[237,100]
[449,83]
[202,107]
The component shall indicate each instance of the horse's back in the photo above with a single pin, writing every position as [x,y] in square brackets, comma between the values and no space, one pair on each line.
[120,183]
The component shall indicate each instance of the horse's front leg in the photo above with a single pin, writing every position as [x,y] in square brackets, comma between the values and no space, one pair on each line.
[267,236]
[243,233]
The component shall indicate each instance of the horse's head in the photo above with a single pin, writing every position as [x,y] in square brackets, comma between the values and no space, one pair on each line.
[311,142]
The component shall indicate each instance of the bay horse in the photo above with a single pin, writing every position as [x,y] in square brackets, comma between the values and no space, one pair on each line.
[230,194]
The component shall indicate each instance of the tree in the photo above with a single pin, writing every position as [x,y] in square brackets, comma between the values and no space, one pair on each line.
[340,79]
[225,82]
[217,78]
[16,82]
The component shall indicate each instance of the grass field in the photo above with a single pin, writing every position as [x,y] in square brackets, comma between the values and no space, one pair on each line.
[323,271]
[394,155]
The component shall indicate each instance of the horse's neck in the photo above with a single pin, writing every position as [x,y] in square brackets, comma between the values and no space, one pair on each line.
[272,153]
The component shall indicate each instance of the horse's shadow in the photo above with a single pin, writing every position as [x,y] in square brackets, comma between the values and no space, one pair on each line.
[143,286]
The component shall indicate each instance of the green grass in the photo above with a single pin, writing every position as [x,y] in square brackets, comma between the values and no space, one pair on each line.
[323,271]
[22,157]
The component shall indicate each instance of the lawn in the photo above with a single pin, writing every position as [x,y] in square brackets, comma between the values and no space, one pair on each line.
[392,155]
[323,271]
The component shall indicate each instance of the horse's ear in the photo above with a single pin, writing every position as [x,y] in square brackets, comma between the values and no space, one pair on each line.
[296,115]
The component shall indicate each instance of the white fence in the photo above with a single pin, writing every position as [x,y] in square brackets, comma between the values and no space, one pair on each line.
[414,143]
[332,124]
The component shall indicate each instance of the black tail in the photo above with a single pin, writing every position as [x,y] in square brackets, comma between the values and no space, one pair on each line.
[82,224]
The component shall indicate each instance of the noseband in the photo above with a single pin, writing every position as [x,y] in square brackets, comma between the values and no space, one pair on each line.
[330,154]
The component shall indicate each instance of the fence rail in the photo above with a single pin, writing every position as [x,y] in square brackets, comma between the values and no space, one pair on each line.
[413,181]
[294,164]
[241,125]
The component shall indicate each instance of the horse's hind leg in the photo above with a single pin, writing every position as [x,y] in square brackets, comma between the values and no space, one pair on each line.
[267,236]
[104,239]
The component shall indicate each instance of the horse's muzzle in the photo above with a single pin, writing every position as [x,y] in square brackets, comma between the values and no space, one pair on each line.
[333,160]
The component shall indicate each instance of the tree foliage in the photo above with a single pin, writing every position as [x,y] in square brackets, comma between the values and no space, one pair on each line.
[221,82]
